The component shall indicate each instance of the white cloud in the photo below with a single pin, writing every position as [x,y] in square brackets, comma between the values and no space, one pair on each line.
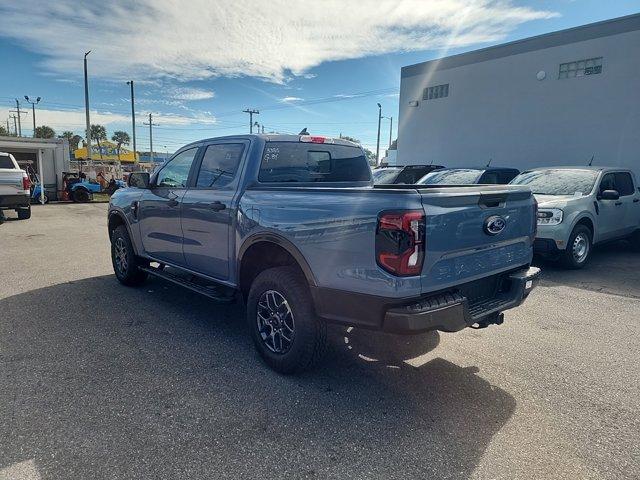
[291,99]
[188,93]
[74,120]
[152,39]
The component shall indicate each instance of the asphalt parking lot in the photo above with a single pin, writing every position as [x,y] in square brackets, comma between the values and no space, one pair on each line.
[102,381]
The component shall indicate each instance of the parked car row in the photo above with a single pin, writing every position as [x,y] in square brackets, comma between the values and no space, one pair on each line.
[578,206]
[15,187]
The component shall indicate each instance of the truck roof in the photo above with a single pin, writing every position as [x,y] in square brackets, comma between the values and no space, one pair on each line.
[594,168]
[282,138]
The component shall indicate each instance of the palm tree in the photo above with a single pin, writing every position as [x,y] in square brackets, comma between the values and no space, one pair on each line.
[72,139]
[98,133]
[43,131]
[120,138]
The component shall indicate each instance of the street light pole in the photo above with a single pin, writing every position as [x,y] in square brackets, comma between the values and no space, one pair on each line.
[390,131]
[33,110]
[133,120]
[86,108]
[378,142]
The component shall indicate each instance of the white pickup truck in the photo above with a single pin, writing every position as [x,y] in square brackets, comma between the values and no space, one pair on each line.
[15,187]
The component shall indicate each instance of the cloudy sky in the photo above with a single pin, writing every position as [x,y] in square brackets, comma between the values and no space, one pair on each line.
[198,64]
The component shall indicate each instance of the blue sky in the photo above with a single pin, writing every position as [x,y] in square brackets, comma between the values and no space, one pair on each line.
[321,65]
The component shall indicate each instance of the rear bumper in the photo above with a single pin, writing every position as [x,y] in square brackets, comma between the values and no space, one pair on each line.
[452,311]
[449,310]
[14,201]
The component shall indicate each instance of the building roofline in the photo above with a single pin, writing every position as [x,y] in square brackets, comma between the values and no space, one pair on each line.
[582,33]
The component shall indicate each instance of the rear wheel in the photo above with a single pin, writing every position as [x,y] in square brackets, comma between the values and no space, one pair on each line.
[38,199]
[24,213]
[283,325]
[80,195]
[125,263]
[578,249]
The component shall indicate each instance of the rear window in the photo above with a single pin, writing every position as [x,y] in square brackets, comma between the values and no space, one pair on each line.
[385,176]
[312,162]
[5,162]
[459,176]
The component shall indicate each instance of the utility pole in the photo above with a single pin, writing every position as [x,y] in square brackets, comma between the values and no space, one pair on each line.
[133,119]
[86,109]
[251,112]
[15,126]
[151,125]
[33,107]
[8,131]
[390,131]
[378,142]
[19,114]
[262,128]
[19,125]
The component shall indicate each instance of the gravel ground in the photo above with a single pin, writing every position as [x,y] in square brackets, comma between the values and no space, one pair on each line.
[102,381]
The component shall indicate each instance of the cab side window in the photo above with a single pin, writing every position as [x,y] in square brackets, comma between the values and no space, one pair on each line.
[176,172]
[624,183]
[608,182]
[219,165]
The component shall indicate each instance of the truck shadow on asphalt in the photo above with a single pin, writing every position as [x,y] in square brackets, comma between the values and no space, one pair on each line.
[613,268]
[102,380]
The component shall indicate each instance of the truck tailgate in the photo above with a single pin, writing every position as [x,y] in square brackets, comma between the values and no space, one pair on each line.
[475,232]
[11,182]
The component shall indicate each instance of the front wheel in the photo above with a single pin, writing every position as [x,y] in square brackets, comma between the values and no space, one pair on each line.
[80,196]
[578,249]
[283,325]
[125,263]
[38,199]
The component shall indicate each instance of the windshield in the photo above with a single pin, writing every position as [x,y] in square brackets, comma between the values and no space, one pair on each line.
[558,181]
[385,175]
[455,176]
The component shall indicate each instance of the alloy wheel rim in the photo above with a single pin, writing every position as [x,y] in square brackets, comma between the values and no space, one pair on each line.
[580,248]
[120,254]
[275,322]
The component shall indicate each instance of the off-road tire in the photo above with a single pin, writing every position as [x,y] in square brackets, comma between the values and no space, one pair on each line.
[131,275]
[569,257]
[80,196]
[309,340]
[24,213]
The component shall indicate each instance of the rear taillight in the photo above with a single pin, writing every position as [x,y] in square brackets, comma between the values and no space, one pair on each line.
[400,242]
[26,183]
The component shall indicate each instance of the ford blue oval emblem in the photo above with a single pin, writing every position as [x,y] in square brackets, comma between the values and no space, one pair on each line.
[494,225]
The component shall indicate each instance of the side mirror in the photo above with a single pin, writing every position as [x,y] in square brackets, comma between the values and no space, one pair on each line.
[139,180]
[609,195]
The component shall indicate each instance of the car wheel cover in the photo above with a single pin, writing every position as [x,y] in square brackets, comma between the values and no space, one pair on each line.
[275,322]
[120,255]
[580,247]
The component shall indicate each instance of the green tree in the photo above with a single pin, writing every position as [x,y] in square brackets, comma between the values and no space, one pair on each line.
[120,138]
[72,138]
[371,157]
[3,131]
[43,131]
[99,134]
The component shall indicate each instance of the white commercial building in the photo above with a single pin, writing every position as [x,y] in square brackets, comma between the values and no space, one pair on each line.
[554,99]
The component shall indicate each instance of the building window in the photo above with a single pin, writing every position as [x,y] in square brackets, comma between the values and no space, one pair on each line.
[580,68]
[439,91]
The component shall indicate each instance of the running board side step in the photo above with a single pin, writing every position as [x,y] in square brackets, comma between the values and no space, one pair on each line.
[219,293]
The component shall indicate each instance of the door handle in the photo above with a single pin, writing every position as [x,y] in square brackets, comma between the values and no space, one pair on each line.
[618,204]
[217,206]
[636,200]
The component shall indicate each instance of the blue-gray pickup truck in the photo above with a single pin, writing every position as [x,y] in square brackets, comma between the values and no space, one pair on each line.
[294,226]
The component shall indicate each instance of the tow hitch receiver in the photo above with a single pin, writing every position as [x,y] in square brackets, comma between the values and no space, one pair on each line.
[496,319]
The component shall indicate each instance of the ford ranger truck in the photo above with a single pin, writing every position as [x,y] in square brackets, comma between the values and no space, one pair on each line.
[294,226]
[15,187]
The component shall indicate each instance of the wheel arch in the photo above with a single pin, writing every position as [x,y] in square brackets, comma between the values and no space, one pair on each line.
[117,218]
[267,250]
[588,222]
